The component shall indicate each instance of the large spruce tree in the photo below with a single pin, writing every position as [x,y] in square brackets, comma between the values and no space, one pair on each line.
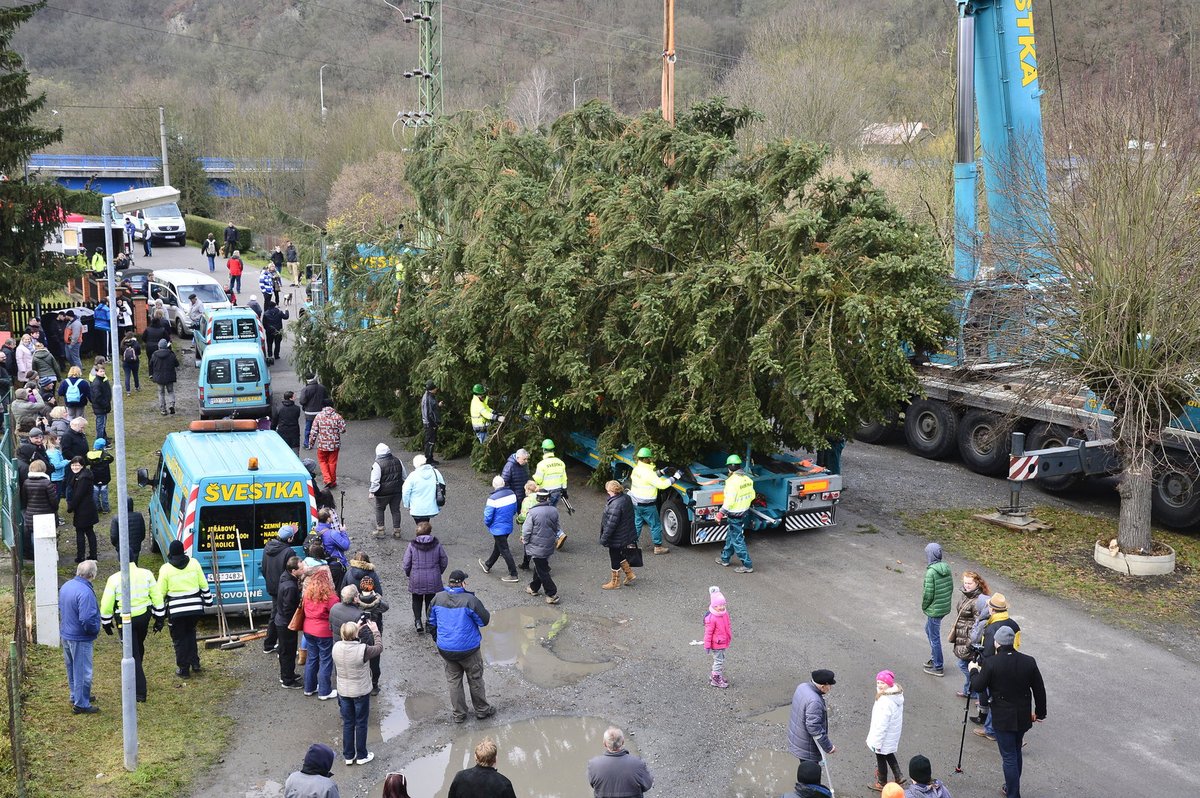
[28,211]
[658,285]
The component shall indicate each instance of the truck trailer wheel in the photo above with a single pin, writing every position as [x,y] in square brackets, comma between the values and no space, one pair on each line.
[677,528]
[1175,501]
[983,442]
[1047,436]
[882,431]
[930,428]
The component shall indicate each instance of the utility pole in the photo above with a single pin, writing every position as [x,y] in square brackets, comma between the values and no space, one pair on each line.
[162,140]
[321,86]
[429,70]
[668,56]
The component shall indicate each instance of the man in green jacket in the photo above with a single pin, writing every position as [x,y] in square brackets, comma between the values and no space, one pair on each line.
[935,602]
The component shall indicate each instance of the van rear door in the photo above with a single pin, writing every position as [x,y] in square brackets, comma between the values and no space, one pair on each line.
[230,523]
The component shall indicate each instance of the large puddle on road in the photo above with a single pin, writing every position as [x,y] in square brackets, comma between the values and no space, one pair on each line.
[398,713]
[540,642]
[544,757]
[763,773]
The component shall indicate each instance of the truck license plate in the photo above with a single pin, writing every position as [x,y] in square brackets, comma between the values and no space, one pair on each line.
[227,576]
[221,400]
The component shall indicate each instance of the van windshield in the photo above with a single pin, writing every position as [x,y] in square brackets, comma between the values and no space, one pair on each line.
[204,292]
[168,211]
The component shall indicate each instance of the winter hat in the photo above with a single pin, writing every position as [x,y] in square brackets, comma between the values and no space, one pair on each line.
[175,549]
[162,343]
[933,553]
[285,532]
[1005,636]
[310,465]
[892,790]
[998,603]
[419,461]
[808,773]
[919,769]
[382,449]
[823,677]
[715,598]
[887,677]
[100,443]
[318,760]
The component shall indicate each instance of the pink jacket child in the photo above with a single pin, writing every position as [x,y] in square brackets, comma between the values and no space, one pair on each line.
[717,635]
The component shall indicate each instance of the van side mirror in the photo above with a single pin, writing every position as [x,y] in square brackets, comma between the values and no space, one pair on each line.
[143,479]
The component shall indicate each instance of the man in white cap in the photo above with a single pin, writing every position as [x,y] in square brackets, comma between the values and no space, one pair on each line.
[387,485]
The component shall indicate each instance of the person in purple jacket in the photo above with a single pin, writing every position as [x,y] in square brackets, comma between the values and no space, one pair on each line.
[79,626]
[424,563]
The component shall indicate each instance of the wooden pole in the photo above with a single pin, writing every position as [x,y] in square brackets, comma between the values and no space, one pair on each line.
[669,61]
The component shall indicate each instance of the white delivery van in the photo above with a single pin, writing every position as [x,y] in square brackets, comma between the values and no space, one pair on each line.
[165,223]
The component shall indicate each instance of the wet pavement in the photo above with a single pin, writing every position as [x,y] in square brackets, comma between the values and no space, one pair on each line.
[543,644]
[544,757]
[837,598]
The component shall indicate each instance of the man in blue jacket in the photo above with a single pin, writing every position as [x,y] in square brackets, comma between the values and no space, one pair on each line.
[455,618]
[79,622]
[498,515]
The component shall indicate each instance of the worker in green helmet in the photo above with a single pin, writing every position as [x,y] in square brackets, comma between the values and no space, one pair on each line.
[646,482]
[739,494]
[481,413]
[551,476]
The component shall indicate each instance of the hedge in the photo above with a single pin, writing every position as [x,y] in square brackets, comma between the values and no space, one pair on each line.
[199,227]
[88,203]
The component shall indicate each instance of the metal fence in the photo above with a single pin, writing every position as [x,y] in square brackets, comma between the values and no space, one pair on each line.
[10,524]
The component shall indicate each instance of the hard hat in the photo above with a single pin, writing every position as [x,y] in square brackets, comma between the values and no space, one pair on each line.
[548,444]
[479,390]
[733,459]
[645,452]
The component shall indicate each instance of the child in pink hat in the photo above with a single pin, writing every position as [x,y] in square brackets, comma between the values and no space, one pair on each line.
[887,719]
[717,635]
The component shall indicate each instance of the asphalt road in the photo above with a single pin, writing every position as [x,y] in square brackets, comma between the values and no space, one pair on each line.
[1121,705]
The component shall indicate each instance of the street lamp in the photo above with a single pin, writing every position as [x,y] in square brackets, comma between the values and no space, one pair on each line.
[125,202]
[321,81]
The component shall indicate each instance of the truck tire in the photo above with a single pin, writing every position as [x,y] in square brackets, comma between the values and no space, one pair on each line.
[930,428]
[983,442]
[677,528]
[883,431]
[1175,501]
[1047,436]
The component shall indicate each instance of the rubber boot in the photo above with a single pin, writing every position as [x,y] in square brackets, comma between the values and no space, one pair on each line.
[613,582]
[629,574]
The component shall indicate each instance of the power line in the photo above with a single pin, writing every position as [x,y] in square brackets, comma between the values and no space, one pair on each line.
[244,48]
[563,19]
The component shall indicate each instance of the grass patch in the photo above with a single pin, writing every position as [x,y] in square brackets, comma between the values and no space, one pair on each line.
[1059,562]
[183,727]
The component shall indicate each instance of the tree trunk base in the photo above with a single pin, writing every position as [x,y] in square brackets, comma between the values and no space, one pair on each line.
[1136,564]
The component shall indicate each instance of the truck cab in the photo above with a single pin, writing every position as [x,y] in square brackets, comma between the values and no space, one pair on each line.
[224,488]
[791,493]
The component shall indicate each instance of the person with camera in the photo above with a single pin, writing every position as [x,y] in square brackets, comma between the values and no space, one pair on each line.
[1013,682]
[972,606]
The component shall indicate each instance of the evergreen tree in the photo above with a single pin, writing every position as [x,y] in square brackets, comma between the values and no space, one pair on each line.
[29,212]
[665,286]
[189,179]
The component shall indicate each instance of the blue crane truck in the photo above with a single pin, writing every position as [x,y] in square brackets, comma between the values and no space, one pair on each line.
[977,392]
[790,492]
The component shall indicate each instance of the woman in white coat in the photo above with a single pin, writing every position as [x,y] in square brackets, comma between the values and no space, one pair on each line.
[887,717]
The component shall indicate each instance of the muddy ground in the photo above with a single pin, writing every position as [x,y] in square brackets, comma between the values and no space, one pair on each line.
[845,598]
